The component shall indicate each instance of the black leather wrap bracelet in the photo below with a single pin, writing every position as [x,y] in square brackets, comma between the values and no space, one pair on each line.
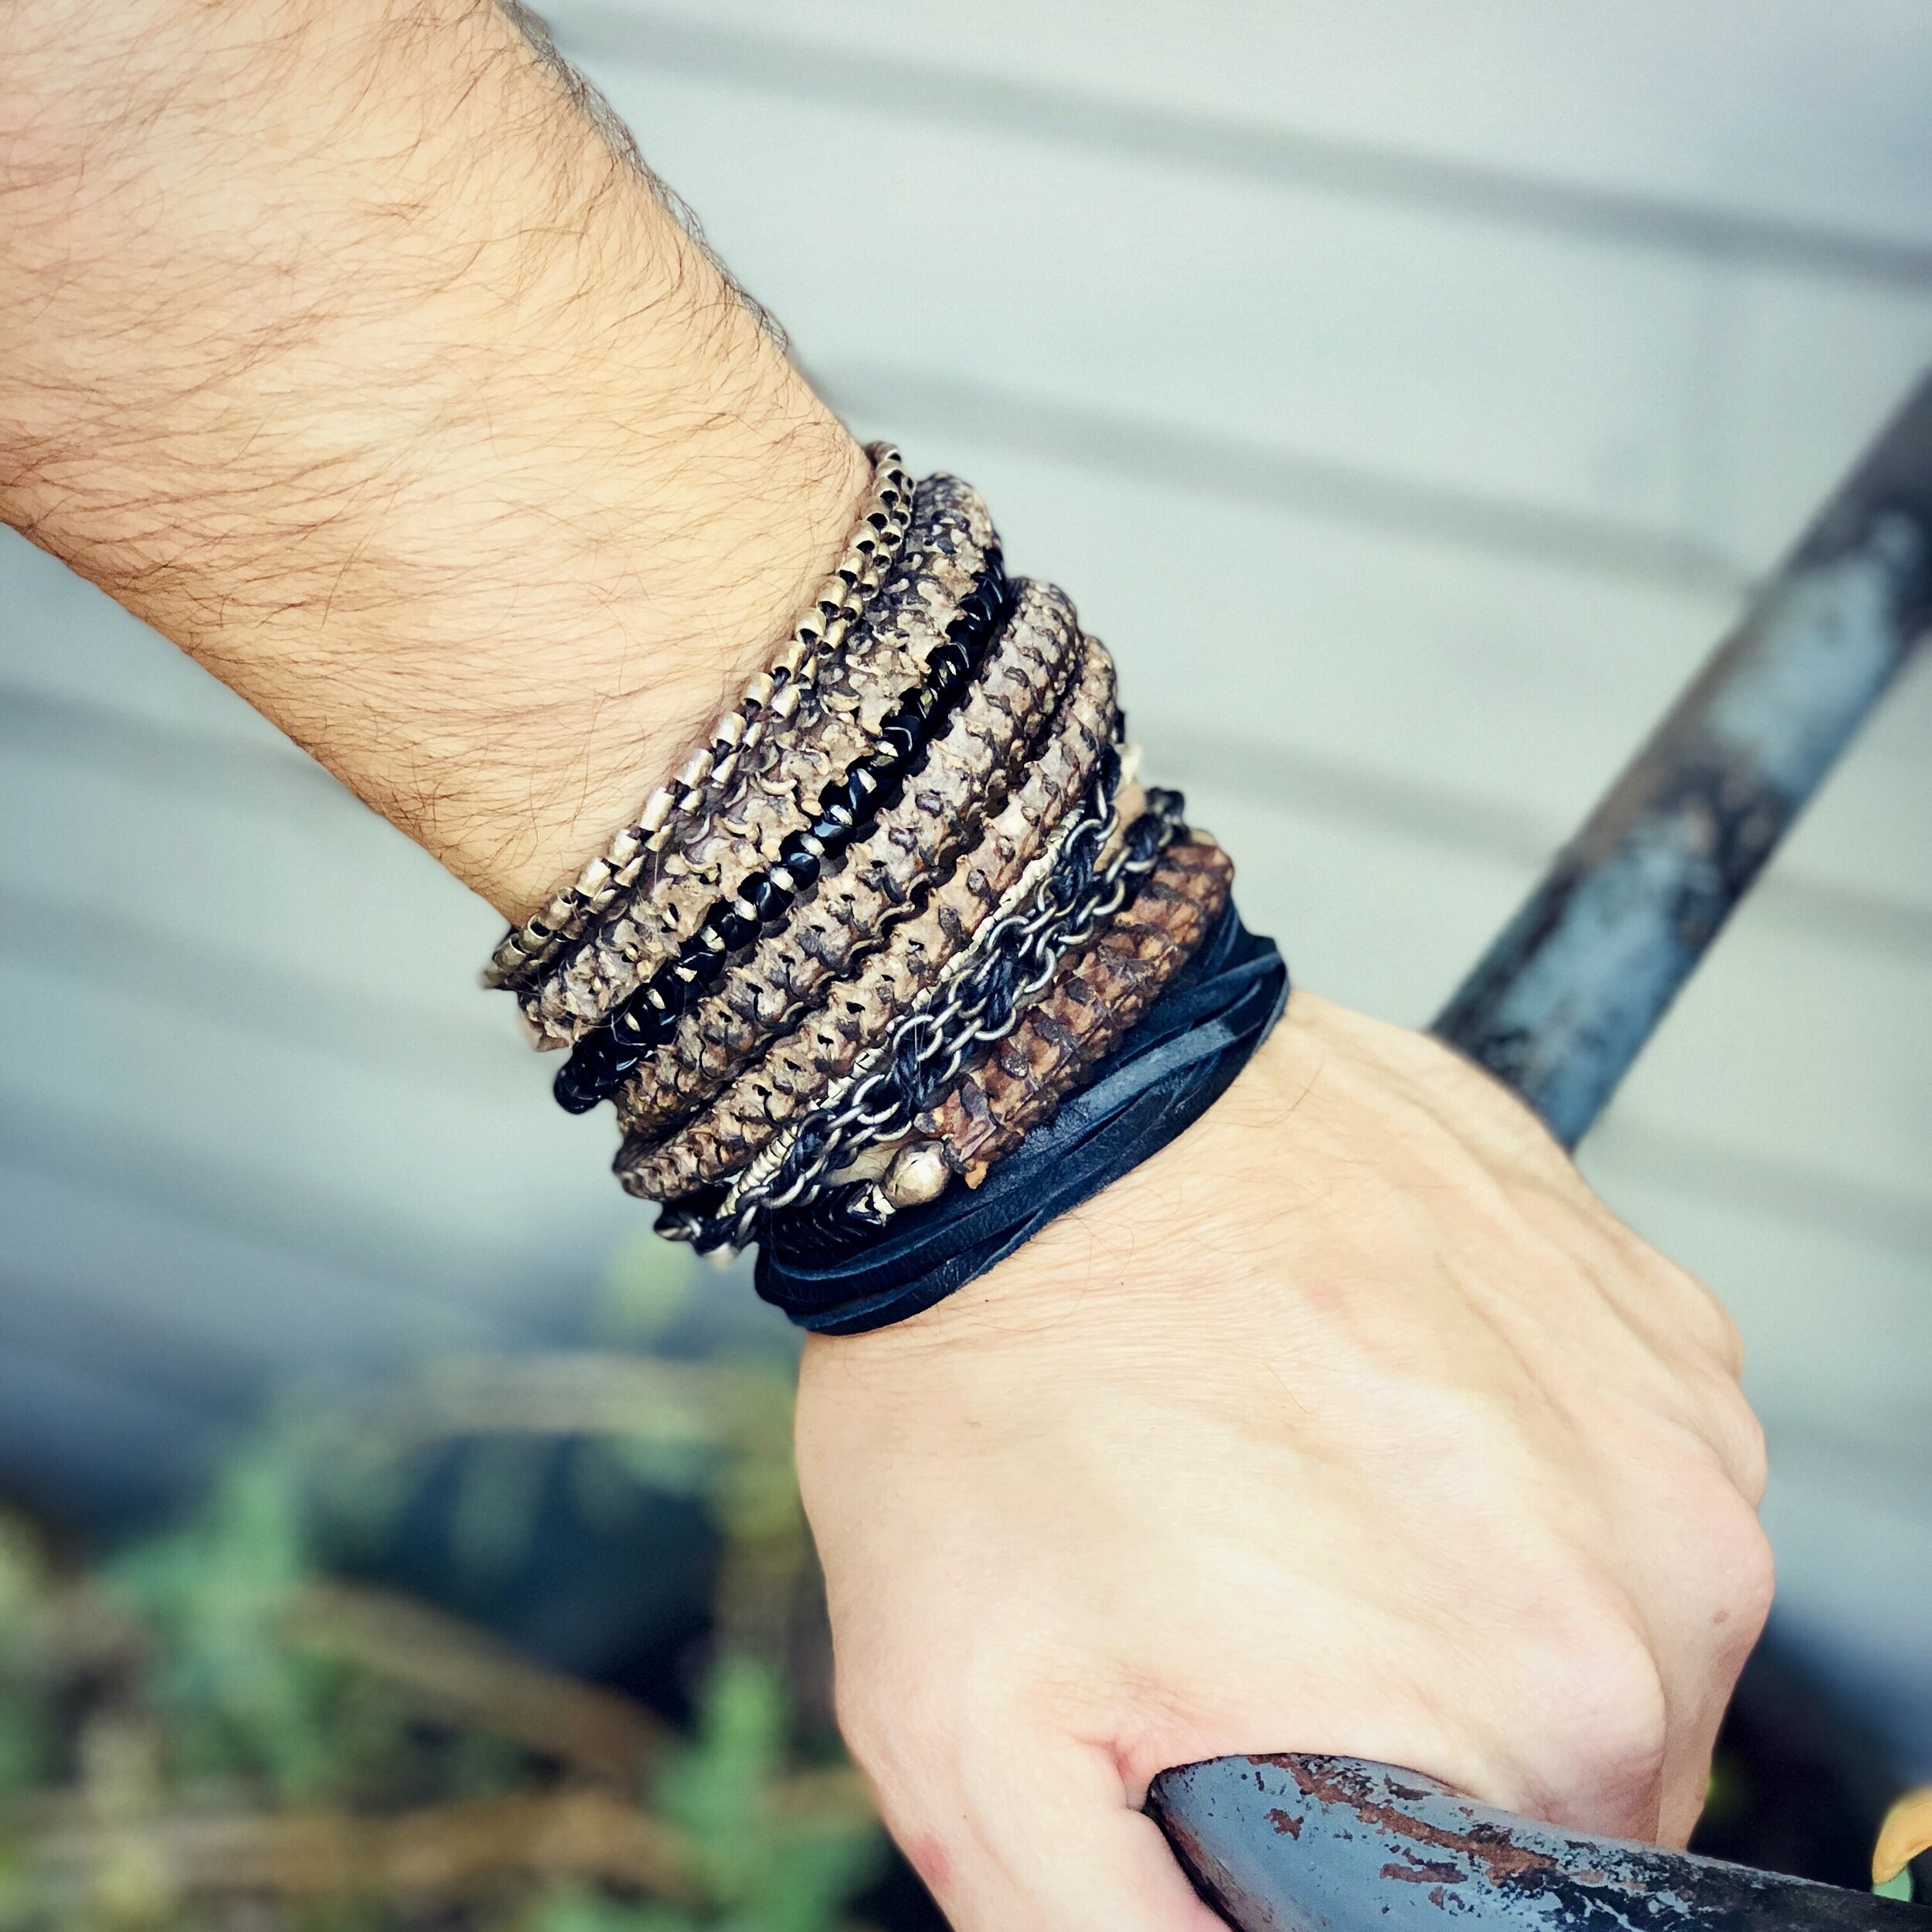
[1166,1073]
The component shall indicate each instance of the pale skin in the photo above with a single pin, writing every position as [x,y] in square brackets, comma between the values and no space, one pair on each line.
[339,343]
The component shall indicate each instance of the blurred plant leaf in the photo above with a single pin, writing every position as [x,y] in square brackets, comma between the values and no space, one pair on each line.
[213,1724]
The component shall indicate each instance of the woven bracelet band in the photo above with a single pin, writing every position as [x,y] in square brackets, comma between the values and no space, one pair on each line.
[904,963]
[875,541]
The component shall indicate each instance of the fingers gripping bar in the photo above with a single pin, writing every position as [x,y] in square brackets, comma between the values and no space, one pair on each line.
[1558,1009]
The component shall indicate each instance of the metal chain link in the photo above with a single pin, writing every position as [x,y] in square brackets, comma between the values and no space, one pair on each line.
[925,1051]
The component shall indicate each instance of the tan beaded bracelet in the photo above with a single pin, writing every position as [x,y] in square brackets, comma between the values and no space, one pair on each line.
[821,627]
[836,726]
[881,882]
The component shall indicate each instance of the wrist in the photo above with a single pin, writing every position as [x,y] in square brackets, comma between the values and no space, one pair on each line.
[1334,1112]
[1123,1275]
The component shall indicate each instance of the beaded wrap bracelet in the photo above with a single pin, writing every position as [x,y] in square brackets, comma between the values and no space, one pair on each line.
[1017,1083]
[924,1052]
[902,962]
[1186,1052]
[831,728]
[849,811]
[1024,727]
[1095,998]
[911,600]
[735,734]
[1018,846]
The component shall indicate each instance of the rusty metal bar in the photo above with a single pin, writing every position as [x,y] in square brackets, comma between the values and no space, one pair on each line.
[1332,1845]
[1575,984]
[1558,1009]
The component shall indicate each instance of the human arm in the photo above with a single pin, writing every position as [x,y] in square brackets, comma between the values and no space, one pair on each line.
[488,490]
[335,342]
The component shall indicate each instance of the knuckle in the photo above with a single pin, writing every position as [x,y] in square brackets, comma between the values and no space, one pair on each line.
[1628,1727]
[881,1716]
[1723,1546]
[1726,1338]
[856,1708]
[1743,1571]
[1603,1691]
[1717,1416]
[1717,1558]
[1741,1444]
[916,1721]
[1695,1312]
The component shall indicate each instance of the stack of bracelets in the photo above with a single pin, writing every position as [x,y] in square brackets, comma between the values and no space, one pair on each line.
[903,962]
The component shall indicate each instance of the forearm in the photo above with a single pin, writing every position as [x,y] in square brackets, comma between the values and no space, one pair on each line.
[339,345]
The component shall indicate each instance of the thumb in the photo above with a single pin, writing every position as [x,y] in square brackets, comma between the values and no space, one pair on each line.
[1052,1843]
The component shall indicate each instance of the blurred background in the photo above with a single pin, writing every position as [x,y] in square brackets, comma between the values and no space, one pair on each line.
[1409,391]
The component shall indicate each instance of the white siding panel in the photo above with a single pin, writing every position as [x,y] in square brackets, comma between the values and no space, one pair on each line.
[1513,691]
[1853,1538]
[1815,1055]
[95,1247]
[62,637]
[1800,111]
[1462,355]
[1364,915]
[1837,1320]
[1809,368]
[1787,1048]
[456,1176]
[272,863]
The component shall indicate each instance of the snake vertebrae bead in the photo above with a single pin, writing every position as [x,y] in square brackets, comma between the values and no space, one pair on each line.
[875,540]
[967,774]
[847,809]
[947,550]
[1101,863]
[800,1067]
[834,727]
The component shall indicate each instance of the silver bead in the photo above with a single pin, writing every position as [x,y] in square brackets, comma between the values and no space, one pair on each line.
[918,1175]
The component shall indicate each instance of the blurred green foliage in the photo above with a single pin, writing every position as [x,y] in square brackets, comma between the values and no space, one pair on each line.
[719,1791]
[208,1733]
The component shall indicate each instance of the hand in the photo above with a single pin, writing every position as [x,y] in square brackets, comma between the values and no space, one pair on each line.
[1352,1422]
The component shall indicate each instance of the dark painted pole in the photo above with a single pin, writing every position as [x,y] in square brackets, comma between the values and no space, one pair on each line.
[1332,1845]
[1576,983]
[1558,1009]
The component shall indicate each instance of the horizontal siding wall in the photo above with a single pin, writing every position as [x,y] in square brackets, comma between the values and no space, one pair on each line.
[1409,391]
[1795,124]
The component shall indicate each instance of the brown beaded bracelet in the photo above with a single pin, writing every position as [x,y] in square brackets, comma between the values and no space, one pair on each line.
[1096,998]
